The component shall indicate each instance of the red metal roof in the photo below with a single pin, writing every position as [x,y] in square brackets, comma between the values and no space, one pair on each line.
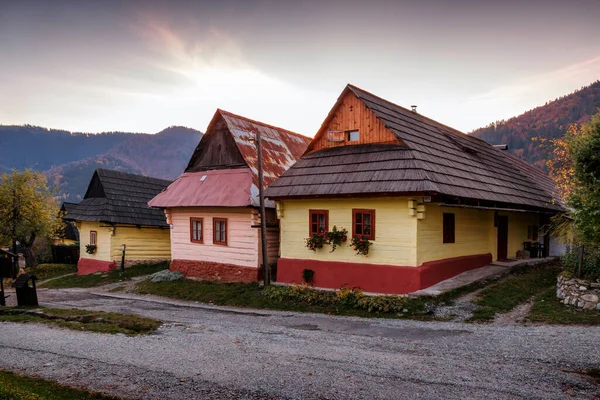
[235,185]
[281,148]
[223,188]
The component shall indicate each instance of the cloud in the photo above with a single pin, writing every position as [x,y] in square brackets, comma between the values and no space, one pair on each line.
[514,98]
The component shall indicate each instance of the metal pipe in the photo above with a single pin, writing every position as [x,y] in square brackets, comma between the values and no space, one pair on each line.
[263,219]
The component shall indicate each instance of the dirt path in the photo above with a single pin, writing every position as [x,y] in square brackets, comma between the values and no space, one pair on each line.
[516,316]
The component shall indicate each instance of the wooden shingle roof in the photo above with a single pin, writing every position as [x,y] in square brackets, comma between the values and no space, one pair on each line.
[431,158]
[120,198]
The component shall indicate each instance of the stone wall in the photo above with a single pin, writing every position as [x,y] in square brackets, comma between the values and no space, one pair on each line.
[578,293]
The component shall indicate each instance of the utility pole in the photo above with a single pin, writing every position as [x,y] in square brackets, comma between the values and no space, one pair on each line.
[263,219]
[14,234]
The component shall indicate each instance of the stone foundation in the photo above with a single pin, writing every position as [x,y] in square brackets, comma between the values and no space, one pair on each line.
[578,293]
[213,271]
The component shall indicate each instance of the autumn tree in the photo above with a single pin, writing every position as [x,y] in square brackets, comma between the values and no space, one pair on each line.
[27,211]
[585,196]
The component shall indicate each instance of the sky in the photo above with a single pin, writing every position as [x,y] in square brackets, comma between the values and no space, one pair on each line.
[141,66]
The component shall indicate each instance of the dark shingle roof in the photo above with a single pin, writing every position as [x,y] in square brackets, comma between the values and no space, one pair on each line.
[433,158]
[120,198]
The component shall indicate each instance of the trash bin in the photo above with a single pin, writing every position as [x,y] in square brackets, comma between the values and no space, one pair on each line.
[26,295]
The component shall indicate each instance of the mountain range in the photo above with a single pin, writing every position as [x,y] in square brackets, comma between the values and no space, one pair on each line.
[548,121]
[69,159]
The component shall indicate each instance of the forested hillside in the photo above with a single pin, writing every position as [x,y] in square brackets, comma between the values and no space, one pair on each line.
[548,121]
[69,159]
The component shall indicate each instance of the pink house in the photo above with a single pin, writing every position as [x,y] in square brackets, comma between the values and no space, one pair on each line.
[213,206]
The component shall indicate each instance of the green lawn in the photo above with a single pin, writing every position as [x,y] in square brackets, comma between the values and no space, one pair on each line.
[524,284]
[93,280]
[16,387]
[519,287]
[547,308]
[47,271]
[81,320]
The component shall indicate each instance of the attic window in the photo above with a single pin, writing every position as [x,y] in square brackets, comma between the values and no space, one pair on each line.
[352,136]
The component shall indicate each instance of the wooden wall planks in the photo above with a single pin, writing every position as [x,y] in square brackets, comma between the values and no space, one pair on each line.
[352,114]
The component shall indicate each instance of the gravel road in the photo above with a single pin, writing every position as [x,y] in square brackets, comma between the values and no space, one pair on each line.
[219,353]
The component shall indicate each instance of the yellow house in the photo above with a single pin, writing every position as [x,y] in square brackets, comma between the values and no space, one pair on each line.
[420,202]
[114,216]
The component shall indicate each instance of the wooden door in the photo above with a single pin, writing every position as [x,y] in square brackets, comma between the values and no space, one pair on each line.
[502,237]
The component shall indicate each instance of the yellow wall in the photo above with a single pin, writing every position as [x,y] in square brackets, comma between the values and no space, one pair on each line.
[395,231]
[517,231]
[473,233]
[102,242]
[142,243]
[401,239]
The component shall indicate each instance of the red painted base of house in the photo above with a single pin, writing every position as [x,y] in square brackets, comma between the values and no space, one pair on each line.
[213,271]
[87,266]
[377,278]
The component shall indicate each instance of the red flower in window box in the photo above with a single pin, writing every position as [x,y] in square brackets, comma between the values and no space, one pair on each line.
[361,245]
[336,237]
[315,242]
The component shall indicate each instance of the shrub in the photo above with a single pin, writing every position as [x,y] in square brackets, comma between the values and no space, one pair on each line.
[346,297]
[383,304]
[349,297]
[590,268]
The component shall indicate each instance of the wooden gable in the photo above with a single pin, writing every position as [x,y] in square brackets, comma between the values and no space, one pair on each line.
[217,149]
[351,114]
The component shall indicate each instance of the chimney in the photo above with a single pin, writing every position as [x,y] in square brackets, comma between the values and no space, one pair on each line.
[414,108]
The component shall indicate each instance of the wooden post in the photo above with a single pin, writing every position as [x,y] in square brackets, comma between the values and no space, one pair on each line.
[2,298]
[263,219]
[123,247]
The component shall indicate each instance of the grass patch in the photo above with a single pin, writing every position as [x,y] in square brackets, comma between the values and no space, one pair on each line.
[547,308]
[93,280]
[16,387]
[47,271]
[283,298]
[81,320]
[520,286]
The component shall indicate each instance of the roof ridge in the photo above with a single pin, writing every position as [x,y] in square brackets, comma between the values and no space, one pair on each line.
[103,170]
[253,121]
[435,122]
